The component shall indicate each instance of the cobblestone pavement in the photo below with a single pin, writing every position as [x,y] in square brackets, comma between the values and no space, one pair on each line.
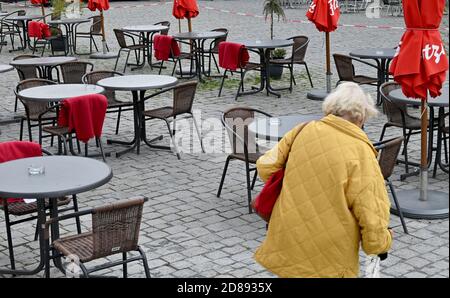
[186,230]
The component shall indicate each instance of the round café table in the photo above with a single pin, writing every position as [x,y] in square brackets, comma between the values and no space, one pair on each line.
[63,176]
[265,47]
[59,92]
[24,20]
[44,64]
[5,68]
[69,25]
[137,85]
[436,207]
[275,128]
[146,33]
[198,40]
[382,57]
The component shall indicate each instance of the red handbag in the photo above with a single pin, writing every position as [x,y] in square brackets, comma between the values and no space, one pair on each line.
[263,204]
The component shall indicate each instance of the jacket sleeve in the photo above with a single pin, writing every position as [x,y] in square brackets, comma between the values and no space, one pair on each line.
[371,209]
[276,158]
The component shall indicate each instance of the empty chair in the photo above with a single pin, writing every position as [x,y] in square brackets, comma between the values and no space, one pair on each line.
[26,72]
[115,230]
[73,72]
[243,144]
[18,207]
[214,49]
[297,57]
[123,38]
[11,29]
[397,116]
[37,114]
[95,30]
[114,105]
[183,99]
[387,159]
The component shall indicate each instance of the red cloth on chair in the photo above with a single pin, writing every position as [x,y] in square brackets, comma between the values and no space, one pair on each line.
[38,30]
[232,55]
[18,150]
[165,47]
[34,30]
[84,115]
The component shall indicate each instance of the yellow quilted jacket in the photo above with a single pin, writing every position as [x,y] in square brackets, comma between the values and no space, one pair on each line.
[333,198]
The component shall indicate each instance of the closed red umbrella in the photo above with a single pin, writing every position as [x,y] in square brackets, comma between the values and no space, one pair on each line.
[185,9]
[420,64]
[41,3]
[325,15]
[100,5]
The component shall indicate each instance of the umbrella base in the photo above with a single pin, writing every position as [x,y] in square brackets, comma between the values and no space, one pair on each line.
[101,55]
[317,94]
[435,208]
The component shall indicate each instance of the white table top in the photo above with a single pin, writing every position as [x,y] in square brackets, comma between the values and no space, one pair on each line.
[63,175]
[44,61]
[440,101]
[24,18]
[268,44]
[55,93]
[138,82]
[199,35]
[5,68]
[69,21]
[145,28]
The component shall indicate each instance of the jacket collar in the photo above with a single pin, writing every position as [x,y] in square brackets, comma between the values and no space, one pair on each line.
[348,128]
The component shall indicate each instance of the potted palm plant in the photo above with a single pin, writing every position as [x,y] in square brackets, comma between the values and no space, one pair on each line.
[274,8]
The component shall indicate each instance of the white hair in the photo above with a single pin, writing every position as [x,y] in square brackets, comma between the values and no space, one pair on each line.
[350,100]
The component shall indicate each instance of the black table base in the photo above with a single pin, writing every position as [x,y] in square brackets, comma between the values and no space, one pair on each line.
[319,95]
[436,207]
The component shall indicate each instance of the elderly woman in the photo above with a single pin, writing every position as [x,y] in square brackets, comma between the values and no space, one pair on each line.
[333,196]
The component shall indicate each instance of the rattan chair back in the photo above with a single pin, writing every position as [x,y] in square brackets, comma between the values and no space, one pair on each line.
[26,72]
[183,97]
[299,48]
[395,111]
[33,108]
[388,156]
[95,76]
[344,67]
[73,72]
[115,227]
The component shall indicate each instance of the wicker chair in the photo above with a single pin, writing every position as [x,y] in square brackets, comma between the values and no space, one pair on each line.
[183,99]
[122,37]
[73,72]
[11,29]
[26,72]
[397,115]
[242,70]
[214,49]
[95,30]
[182,56]
[43,42]
[243,144]
[346,70]
[115,229]
[22,209]
[387,159]
[442,139]
[298,57]
[38,112]
[114,105]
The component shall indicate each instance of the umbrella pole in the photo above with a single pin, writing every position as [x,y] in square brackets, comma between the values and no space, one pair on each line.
[424,151]
[179,25]
[327,46]
[43,11]
[102,20]
[189,24]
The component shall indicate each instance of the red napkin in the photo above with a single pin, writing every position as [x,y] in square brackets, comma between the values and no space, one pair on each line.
[232,55]
[18,150]
[34,30]
[165,47]
[84,115]
[45,29]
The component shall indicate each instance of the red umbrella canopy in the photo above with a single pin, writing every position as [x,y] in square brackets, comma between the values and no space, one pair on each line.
[185,9]
[39,1]
[100,5]
[421,63]
[324,14]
